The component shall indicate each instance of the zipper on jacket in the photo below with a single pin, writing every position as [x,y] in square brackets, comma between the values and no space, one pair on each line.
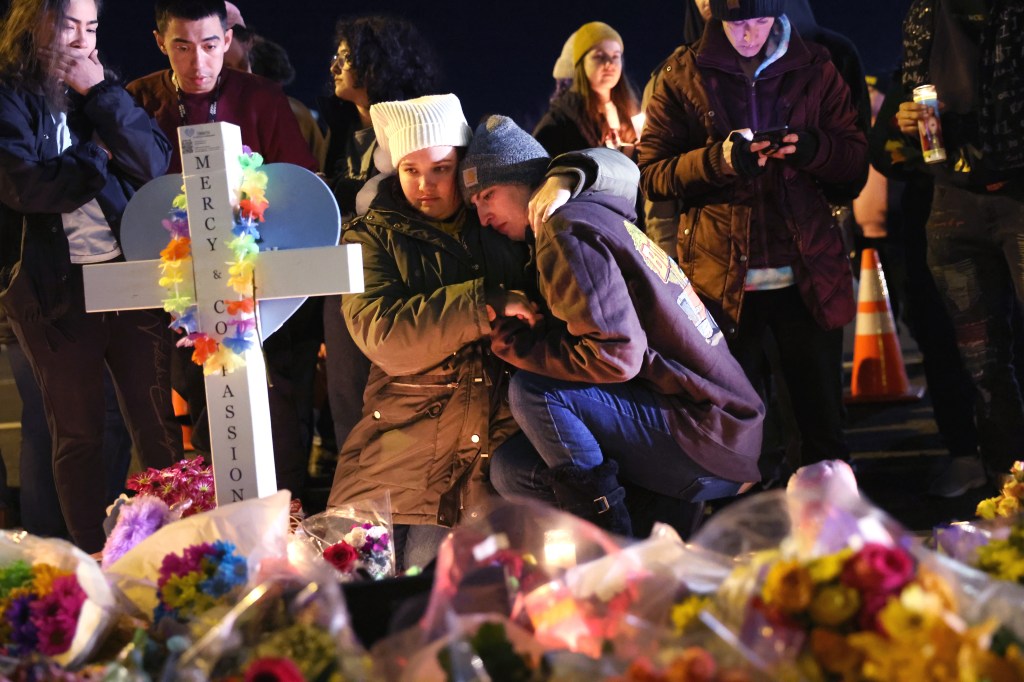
[758,188]
[451,384]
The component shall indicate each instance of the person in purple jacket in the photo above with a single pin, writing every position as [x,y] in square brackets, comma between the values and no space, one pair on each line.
[626,373]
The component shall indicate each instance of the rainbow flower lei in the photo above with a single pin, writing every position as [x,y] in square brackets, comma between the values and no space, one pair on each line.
[175,268]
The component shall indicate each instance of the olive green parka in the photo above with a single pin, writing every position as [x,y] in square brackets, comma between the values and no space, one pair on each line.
[435,405]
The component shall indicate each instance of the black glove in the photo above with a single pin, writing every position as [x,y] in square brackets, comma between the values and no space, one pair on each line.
[744,161]
[806,148]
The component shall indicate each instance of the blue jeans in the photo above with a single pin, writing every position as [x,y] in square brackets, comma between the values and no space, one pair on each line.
[975,253]
[416,545]
[580,424]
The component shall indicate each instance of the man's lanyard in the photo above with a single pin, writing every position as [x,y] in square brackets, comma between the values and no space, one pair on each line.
[181,102]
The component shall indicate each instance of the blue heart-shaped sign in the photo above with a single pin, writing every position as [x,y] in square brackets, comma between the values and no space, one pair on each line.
[302,213]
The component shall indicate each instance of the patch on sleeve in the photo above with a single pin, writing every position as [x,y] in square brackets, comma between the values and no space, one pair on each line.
[469,177]
[669,272]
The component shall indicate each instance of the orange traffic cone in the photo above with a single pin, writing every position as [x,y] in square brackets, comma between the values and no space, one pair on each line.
[184,418]
[878,371]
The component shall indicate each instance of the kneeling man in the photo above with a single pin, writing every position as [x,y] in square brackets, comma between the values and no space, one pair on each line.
[626,374]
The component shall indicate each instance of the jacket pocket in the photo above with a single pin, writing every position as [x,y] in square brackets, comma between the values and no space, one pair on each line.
[406,443]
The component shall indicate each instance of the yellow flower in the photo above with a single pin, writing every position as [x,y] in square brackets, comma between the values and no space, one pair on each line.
[827,568]
[43,576]
[987,508]
[911,617]
[933,583]
[1008,506]
[886,659]
[834,604]
[686,612]
[224,360]
[833,652]
[788,586]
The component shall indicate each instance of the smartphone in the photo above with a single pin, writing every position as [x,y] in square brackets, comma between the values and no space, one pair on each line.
[773,135]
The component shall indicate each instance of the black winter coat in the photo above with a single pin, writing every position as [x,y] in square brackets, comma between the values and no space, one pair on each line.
[39,182]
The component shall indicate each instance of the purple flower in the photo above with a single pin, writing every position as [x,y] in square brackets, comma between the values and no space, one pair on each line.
[139,518]
[24,635]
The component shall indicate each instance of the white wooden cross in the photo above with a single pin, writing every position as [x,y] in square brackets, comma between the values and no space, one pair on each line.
[237,403]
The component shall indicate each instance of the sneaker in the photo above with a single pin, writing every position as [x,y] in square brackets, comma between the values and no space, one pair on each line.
[959,475]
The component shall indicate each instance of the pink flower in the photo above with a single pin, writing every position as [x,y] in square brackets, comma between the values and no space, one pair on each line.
[273,670]
[56,615]
[878,568]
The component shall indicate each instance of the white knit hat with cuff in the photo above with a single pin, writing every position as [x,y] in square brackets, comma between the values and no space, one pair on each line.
[407,126]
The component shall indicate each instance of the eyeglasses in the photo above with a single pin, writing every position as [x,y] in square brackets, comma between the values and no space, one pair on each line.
[602,58]
[343,61]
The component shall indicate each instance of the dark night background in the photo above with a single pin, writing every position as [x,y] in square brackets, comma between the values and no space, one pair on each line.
[497,57]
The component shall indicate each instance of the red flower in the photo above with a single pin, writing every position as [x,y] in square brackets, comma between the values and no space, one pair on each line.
[273,670]
[867,619]
[253,210]
[341,555]
[877,568]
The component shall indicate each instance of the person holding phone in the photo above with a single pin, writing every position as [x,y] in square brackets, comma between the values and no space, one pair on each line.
[758,241]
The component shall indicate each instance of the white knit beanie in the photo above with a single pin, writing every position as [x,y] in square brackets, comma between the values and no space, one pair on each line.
[410,125]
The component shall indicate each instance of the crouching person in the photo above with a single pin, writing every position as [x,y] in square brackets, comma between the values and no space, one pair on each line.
[625,376]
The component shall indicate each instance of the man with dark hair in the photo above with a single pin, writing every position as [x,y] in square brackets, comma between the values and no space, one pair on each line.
[626,372]
[198,89]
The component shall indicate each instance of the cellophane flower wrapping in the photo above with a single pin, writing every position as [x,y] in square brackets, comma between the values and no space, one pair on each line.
[257,529]
[473,647]
[644,652]
[56,601]
[292,625]
[357,538]
[825,586]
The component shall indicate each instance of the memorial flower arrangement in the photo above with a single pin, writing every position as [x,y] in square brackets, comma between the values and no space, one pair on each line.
[186,486]
[354,538]
[296,653]
[40,605]
[1003,557]
[874,613]
[202,577]
[368,547]
[176,278]
[1011,495]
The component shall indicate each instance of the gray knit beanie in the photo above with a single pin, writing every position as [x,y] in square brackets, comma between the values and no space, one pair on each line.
[739,10]
[501,153]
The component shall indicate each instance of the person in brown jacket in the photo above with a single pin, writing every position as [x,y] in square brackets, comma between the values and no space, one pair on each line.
[758,241]
[626,373]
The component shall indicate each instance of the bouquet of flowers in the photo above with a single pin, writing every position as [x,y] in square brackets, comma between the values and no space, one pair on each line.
[186,486]
[292,626]
[1011,495]
[54,601]
[355,539]
[39,608]
[842,593]
[164,495]
[153,569]
[366,546]
[201,578]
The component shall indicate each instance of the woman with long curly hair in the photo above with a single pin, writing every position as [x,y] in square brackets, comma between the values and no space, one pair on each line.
[597,110]
[74,147]
[378,59]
